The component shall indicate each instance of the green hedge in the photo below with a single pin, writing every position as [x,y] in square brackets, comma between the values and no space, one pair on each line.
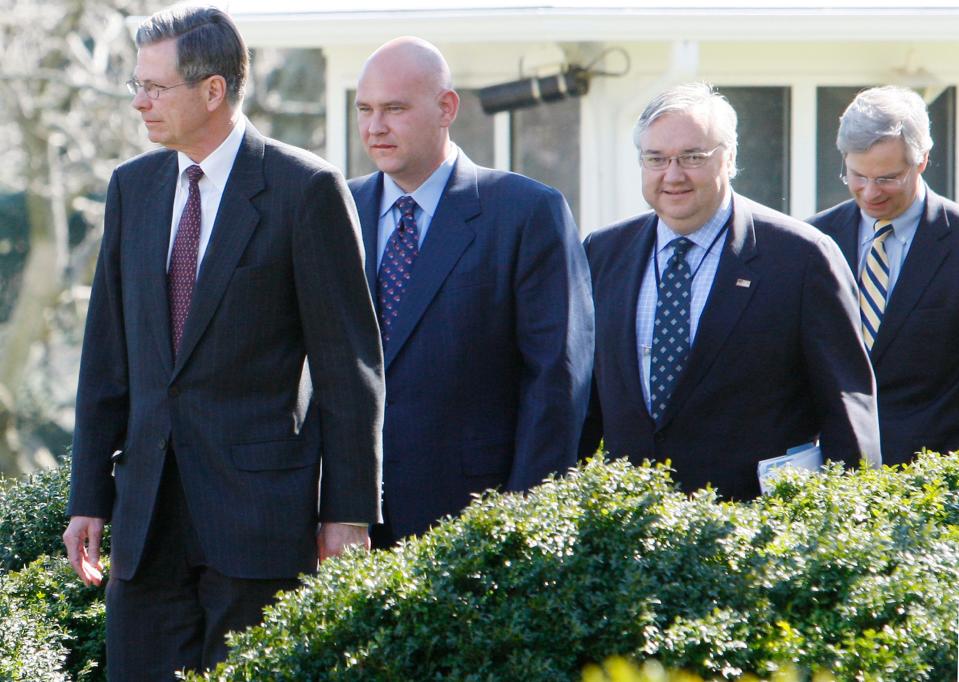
[52,627]
[856,574]
[33,517]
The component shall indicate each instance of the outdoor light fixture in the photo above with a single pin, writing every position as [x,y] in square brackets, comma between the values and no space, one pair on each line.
[571,81]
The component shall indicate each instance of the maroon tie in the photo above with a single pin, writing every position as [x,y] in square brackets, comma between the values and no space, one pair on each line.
[396,268]
[182,274]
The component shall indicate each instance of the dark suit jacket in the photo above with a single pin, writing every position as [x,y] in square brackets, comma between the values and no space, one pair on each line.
[282,278]
[487,373]
[914,357]
[777,360]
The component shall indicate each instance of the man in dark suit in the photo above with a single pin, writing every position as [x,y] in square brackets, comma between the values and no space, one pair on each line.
[726,332]
[901,240]
[483,294]
[227,258]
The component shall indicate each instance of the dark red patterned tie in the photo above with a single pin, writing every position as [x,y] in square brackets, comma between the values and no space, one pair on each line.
[396,268]
[186,245]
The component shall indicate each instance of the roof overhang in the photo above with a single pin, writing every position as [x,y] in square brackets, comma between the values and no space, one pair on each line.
[302,23]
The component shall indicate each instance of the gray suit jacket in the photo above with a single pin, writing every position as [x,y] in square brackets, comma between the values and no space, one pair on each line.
[282,279]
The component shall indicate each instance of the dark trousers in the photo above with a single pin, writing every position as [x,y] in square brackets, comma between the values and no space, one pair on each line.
[174,613]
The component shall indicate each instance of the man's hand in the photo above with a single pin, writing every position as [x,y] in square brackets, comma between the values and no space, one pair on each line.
[333,538]
[82,539]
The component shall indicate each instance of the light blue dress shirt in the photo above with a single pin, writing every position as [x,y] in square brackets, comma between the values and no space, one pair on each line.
[427,197]
[897,244]
[703,261]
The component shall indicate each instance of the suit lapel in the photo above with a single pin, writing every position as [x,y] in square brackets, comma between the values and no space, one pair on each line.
[235,222]
[367,195]
[846,235]
[621,325]
[156,248]
[447,238]
[925,256]
[732,289]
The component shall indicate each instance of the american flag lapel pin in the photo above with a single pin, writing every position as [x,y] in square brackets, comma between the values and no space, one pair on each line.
[744,283]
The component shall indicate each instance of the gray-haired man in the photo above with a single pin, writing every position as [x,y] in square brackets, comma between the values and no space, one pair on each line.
[901,240]
[227,258]
[726,333]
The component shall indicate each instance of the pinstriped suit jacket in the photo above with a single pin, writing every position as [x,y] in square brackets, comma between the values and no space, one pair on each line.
[282,279]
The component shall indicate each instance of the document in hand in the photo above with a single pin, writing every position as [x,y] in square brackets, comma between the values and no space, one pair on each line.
[807,456]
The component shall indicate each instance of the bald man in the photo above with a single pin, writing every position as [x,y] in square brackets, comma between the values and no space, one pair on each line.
[483,294]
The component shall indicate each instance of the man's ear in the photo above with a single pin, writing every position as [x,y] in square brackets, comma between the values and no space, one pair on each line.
[214,92]
[449,103]
[924,162]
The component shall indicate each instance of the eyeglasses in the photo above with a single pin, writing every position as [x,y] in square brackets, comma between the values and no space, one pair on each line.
[658,162]
[153,90]
[887,182]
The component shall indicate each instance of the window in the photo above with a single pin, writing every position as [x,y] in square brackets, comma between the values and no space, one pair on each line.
[763,155]
[545,146]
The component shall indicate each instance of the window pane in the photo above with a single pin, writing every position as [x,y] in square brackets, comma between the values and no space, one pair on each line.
[763,155]
[832,101]
[472,131]
[545,146]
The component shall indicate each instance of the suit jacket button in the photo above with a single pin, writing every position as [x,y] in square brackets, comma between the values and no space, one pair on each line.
[161,444]
[659,438]
[174,391]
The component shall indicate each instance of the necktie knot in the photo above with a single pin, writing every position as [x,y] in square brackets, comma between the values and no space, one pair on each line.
[883,228]
[194,173]
[406,205]
[681,246]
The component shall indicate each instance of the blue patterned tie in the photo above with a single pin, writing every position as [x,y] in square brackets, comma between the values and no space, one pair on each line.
[874,284]
[670,328]
[396,268]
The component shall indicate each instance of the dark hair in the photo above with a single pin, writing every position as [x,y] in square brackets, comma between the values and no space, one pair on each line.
[207,44]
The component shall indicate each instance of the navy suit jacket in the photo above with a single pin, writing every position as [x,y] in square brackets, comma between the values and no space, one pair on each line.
[282,278]
[914,357]
[487,370]
[777,360]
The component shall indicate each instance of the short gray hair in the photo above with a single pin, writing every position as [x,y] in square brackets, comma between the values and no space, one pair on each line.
[688,97]
[885,113]
[207,44]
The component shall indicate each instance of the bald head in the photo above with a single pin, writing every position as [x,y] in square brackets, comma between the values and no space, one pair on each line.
[413,57]
[405,104]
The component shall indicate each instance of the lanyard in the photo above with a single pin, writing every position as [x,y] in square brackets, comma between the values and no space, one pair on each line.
[701,260]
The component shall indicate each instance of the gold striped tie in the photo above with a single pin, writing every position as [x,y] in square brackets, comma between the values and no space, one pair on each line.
[874,284]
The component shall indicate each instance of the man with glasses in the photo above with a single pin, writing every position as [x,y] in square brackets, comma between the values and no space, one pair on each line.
[227,259]
[726,332]
[902,241]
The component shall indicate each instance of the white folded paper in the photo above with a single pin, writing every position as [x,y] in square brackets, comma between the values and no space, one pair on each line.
[807,456]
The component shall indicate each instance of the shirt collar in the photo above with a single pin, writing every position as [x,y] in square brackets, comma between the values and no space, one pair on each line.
[904,225]
[427,196]
[217,166]
[704,236]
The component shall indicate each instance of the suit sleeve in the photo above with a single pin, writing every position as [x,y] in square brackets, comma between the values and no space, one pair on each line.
[554,331]
[592,433]
[837,363]
[102,393]
[343,349]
